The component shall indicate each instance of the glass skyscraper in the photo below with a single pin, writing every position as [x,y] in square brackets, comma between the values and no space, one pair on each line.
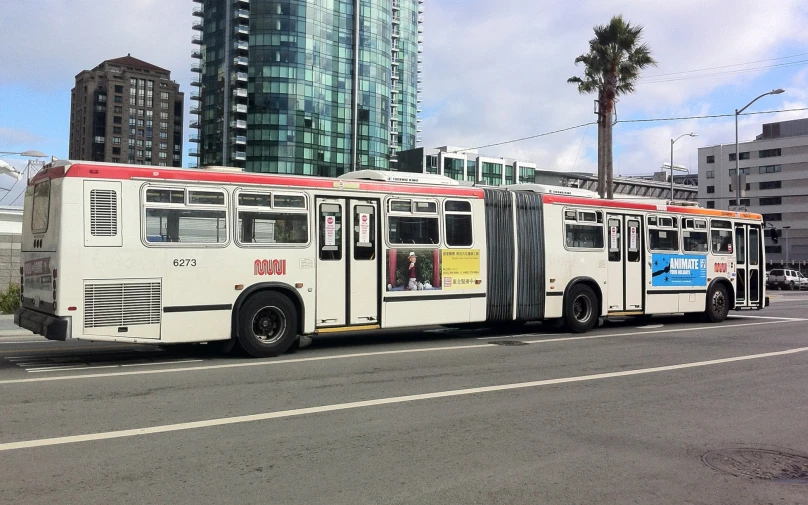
[306,86]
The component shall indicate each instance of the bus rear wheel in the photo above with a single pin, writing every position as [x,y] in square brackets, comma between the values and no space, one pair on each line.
[580,309]
[717,303]
[267,325]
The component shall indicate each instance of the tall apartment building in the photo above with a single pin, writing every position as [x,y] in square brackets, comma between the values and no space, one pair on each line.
[309,87]
[126,111]
[774,183]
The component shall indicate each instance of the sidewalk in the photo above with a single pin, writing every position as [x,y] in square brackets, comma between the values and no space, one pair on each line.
[9,329]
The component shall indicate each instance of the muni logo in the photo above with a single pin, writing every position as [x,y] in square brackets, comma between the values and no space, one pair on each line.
[270,267]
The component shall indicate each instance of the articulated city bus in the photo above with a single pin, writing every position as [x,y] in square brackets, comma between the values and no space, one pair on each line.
[144,254]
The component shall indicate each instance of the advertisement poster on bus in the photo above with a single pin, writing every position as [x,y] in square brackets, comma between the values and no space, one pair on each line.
[432,269]
[681,270]
[461,268]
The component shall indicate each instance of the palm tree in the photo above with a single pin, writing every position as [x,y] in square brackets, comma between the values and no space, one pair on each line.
[611,68]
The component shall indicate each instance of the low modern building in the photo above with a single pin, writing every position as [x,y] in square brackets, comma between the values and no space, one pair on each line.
[466,165]
[126,110]
[773,182]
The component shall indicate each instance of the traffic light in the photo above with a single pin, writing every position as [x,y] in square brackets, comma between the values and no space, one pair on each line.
[774,235]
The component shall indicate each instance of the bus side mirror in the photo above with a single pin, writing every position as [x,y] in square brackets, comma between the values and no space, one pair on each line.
[774,235]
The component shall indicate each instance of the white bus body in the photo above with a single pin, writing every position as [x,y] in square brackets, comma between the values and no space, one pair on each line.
[164,255]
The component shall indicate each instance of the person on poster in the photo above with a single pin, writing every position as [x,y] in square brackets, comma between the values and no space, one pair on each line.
[413,276]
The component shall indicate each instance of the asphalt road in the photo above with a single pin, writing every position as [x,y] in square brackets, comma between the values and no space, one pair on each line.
[624,414]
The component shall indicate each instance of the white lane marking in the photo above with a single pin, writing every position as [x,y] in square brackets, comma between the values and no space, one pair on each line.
[650,326]
[770,317]
[273,361]
[520,335]
[151,430]
[67,368]
[165,362]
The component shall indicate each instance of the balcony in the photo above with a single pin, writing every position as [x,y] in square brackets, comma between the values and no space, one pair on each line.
[243,29]
[240,76]
[196,95]
[198,12]
[242,61]
[240,156]
[243,2]
[240,93]
[241,45]
[196,81]
[241,14]
[240,140]
[194,153]
[194,138]
[198,26]
[241,124]
[197,69]
[197,55]
[199,1]
[195,125]
[196,110]
[240,108]
[196,39]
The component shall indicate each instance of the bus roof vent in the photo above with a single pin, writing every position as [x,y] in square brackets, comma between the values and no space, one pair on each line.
[221,168]
[389,176]
[553,190]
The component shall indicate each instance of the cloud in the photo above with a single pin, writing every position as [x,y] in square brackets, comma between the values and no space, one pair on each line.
[11,139]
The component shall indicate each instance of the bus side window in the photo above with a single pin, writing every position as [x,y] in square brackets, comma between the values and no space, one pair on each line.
[663,233]
[330,245]
[721,236]
[694,235]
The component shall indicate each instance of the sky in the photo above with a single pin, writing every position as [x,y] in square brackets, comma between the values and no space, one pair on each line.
[494,71]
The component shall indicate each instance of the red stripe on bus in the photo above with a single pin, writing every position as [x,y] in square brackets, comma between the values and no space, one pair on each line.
[100,171]
[616,204]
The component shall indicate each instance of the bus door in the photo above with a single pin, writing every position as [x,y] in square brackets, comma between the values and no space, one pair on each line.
[347,262]
[748,283]
[624,286]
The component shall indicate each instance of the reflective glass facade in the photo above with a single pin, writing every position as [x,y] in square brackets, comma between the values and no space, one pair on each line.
[298,86]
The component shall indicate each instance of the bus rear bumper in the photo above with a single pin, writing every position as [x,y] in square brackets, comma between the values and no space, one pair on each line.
[50,327]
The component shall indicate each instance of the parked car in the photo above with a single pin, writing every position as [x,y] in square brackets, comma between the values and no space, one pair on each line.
[784,278]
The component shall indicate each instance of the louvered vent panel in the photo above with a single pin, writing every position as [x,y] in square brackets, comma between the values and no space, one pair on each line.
[103,213]
[124,304]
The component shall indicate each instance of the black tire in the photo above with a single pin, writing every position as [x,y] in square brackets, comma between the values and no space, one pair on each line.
[580,309]
[717,303]
[267,325]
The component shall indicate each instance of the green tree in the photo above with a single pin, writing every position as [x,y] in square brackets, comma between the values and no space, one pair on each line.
[611,68]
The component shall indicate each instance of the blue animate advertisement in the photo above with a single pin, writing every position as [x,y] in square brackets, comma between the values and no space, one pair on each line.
[682,270]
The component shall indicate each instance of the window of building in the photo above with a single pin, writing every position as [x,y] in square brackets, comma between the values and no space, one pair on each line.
[116,130]
[116,141]
[710,189]
[164,125]
[117,109]
[163,156]
[748,187]
[773,217]
[164,95]
[164,135]
[457,217]
[413,222]
[169,219]
[118,88]
[771,200]
[770,169]
[164,115]
[164,105]
[744,171]
[769,153]
[694,235]
[721,236]
[164,145]
[116,150]
[710,174]
[744,156]
[774,249]
[710,204]
[583,229]
[117,119]
[770,185]
[711,159]
[663,233]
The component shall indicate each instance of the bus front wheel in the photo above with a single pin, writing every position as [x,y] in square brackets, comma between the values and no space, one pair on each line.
[580,309]
[267,325]
[717,303]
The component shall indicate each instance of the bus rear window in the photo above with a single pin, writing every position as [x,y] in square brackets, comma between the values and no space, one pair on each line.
[40,209]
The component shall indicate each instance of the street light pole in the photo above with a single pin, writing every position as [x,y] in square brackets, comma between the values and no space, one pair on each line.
[672,142]
[785,236]
[737,154]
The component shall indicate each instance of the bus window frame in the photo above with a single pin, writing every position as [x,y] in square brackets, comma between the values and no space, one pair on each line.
[684,228]
[437,215]
[730,230]
[578,212]
[144,206]
[260,209]
[445,213]
[673,227]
